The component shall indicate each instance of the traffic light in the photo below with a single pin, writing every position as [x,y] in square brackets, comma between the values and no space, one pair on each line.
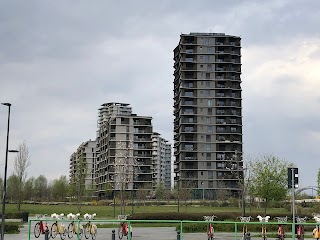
[295,177]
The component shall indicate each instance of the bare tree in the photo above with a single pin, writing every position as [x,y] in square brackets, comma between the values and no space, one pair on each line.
[21,163]
[78,180]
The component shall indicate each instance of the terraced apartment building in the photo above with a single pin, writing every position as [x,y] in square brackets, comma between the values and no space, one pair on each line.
[208,113]
[125,154]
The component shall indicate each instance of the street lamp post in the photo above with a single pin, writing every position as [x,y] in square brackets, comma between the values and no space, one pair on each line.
[202,183]
[5,173]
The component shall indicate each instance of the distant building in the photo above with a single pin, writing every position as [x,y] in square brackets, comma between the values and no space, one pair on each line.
[161,160]
[123,136]
[86,152]
[208,113]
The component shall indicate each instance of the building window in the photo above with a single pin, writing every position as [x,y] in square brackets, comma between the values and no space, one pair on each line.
[210,174]
[201,57]
[207,75]
[209,111]
[207,84]
[201,66]
[208,120]
[201,173]
[208,157]
[207,58]
[209,67]
[209,49]
[208,138]
[209,103]
[208,146]
[210,129]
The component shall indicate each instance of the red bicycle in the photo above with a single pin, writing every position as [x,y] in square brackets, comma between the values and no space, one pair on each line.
[210,228]
[41,226]
[124,227]
[281,230]
[300,228]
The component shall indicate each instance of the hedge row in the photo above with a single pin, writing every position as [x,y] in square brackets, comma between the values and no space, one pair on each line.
[17,215]
[222,216]
[11,228]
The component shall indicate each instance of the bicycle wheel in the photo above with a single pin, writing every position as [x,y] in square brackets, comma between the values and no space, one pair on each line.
[54,230]
[80,233]
[37,230]
[70,230]
[86,230]
[94,232]
[63,233]
[130,235]
[120,233]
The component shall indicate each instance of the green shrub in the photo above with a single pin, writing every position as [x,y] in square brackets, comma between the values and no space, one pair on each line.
[11,227]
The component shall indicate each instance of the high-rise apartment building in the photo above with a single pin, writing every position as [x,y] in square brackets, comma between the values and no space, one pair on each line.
[82,167]
[124,149]
[207,113]
[161,160]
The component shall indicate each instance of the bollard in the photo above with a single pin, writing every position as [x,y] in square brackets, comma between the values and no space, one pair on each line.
[46,234]
[178,235]
[113,236]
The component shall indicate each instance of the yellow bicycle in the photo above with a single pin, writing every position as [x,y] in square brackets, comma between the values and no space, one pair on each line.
[58,227]
[245,234]
[73,227]
[264,226]
[90,228]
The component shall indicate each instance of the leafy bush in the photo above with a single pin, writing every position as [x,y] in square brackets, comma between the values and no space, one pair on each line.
[11,227]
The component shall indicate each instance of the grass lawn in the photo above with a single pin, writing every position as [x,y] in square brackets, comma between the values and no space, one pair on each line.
[107,212]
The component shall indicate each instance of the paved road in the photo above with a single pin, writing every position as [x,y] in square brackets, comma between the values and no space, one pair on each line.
[139,233]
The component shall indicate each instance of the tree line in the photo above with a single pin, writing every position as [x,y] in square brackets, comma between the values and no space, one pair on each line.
[263,178]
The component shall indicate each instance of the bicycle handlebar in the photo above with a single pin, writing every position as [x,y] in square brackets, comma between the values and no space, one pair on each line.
[245,219]
[282,219]
[209,218]
[123,217]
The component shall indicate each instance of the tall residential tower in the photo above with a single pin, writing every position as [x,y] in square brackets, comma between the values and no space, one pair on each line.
[207,113]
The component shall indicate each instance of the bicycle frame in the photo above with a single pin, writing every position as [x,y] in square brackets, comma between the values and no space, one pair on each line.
[300,228]
[90,228]
[316,230]
[124,228]
[41,226]
[210,228]
[245,234]
[281,232]
[244,231]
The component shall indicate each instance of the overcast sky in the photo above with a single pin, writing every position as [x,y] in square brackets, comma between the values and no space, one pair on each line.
[60,60]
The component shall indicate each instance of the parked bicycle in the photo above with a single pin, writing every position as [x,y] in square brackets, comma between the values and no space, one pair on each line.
[316,230]
[41,226]
[90,228]
[210,228]
[281,229]
[264,226]
[124,227]
[74,227]
[245,234]
[58,227]
[300,227]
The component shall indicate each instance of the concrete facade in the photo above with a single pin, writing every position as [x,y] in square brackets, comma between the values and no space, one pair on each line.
[161,160]
[208,113]
[87,152]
